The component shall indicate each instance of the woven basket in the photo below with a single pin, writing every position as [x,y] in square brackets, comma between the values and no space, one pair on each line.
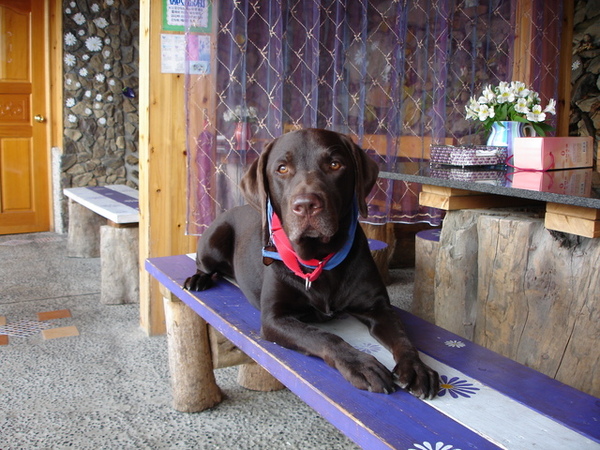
[478,155]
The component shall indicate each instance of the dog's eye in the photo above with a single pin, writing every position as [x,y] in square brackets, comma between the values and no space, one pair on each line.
[335,165]
[282,168]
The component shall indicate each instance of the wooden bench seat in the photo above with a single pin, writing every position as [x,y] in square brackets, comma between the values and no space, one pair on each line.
[103,222]
[486,401]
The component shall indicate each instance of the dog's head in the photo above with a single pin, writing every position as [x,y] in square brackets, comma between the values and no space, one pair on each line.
[311,177]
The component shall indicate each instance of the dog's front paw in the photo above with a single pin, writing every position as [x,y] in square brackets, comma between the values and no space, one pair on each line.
[417,377]
[200,281]
[366,372]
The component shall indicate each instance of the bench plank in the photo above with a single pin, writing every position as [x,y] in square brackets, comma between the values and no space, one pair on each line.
[399,420]
[118,203]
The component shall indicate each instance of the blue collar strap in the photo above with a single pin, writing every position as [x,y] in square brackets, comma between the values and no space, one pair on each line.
[337,258]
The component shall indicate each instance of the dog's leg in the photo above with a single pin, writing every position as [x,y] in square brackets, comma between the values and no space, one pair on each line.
[412,374]
[213,256]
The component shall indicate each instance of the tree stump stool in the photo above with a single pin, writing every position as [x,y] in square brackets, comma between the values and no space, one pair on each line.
[427,243]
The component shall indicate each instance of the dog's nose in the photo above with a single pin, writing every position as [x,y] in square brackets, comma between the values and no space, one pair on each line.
[307,205]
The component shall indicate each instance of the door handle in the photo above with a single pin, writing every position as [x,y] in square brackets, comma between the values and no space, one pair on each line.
[39,118]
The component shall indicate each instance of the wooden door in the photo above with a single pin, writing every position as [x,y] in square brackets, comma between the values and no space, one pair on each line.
[24,186]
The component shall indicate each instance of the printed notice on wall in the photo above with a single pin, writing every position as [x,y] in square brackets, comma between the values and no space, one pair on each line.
[182,15]
[173,52]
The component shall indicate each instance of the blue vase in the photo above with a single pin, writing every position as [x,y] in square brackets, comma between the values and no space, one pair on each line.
[504,132]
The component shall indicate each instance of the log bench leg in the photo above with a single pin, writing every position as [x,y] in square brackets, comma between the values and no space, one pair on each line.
[83,240]
[190,362]
[254,377]
[119,265]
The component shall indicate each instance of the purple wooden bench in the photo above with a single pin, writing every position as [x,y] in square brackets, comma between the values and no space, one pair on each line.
[486,401]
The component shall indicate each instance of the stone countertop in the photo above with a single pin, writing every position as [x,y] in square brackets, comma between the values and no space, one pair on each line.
[578,187]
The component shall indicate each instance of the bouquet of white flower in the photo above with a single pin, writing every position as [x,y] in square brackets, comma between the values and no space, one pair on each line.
[510,102]
[241,114]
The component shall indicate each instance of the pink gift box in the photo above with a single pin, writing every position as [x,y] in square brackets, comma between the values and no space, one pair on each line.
[549,153]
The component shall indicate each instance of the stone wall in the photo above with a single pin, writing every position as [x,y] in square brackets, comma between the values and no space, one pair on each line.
[100,61]
[585,71]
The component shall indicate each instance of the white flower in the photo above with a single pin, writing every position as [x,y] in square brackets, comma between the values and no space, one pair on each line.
[485,112]
[107,67]
[88,94]
[70,39]
[100,77]
[72,4]
[85,57]
[70,102]
[72,118]
[79,19]
[83,72]
[438,446]
[111,82]
[110,2]
[88,111]
[107,41]
[521,106]
[69,82]
[97,105]
[455,343]
[69,59]
[93,44]
[102,120]
[101,22]
[107,53]
[575,65]
[68,11]
[110,98]
[78,85]
[95,7]
[81,32]
[551,107]
[536,114]
[99,97]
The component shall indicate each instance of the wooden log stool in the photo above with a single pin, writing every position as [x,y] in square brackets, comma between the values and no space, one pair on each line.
[427,243]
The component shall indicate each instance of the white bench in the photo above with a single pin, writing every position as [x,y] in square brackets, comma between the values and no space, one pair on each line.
[103,222]
[487,401]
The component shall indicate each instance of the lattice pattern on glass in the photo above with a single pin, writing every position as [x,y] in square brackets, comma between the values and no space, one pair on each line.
[395,75]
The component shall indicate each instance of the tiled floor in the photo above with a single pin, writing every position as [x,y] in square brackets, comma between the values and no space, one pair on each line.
[104,383]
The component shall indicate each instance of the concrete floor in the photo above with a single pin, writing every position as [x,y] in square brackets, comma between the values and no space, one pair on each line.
[108,386]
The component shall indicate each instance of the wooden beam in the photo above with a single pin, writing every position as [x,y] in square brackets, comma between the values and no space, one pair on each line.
[162,149]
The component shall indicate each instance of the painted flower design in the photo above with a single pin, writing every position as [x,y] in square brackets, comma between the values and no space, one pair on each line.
[73,4]
[101,22]
[437,446]
[110,2]
[95,7]
[369,348]
[79,19]
[100,77]
[83,72]
[69,59]
[70,39]
[456,387]
[81,32]
[575,65]
[72,118]
[455,343]
[93,44]
[102,121]
[70,102]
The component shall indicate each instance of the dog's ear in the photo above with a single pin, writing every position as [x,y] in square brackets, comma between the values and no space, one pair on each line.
[365,176]
[255,187]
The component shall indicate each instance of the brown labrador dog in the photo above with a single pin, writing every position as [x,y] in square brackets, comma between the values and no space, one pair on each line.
[305,193]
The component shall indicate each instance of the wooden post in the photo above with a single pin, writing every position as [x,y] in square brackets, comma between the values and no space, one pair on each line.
[83,240]
[254,377]
[190,361]
[427,243]
[119,249]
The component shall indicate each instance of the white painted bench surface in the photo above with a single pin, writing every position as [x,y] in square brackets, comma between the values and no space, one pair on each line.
[118,203]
